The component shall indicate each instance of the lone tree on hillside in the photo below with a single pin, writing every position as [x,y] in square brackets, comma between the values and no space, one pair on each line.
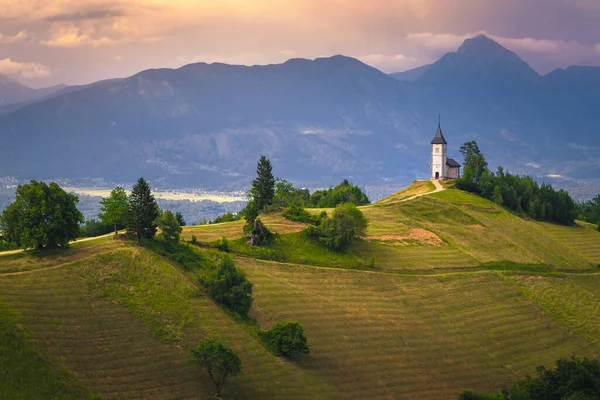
[41,216]
[263,187]
[142,212]
[168,224]
[114,208]
[288,338]
[217,359]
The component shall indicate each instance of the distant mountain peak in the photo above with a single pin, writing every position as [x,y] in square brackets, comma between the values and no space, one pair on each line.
[481,45]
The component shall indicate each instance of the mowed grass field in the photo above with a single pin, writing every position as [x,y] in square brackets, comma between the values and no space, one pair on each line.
[377,336]
[462,294]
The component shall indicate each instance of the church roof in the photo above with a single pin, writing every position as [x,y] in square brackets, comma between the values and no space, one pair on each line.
[452,163]
[439,136]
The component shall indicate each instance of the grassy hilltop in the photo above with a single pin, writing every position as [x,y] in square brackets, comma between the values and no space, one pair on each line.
[446,291]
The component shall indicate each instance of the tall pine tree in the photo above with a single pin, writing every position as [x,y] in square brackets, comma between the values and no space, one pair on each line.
[143,211]
[263,187]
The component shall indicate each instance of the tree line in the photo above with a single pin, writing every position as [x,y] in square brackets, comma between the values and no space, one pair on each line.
[520,194]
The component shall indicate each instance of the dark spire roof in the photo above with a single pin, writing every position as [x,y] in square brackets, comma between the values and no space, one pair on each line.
[439,136]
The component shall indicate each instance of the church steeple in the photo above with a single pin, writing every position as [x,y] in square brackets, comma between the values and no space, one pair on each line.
[439,136]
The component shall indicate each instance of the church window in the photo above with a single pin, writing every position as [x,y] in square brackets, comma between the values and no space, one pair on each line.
[437,149]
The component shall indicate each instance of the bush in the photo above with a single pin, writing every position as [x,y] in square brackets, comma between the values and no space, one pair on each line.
[338,232]
[227,217]
[194,240]
[169,226]
[228,285]
[181,253]
[93,228]
[287,339]
[223,245]
[299,214]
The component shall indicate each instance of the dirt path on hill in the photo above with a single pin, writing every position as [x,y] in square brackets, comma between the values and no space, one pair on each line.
[438,188]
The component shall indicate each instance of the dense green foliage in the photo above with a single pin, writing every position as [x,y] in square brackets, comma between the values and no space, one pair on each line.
[169,226]
[345,192]
[179,218]
[299,214]
[113,209]
[24,374]
[217,359]
[338,232]
[227,285]
[93,228]
[41,216]
[589,211]
[521,194]
[263,186]
[142,211]
[227,217]
[287,339]
[286,195]
[260,235]
[572,379]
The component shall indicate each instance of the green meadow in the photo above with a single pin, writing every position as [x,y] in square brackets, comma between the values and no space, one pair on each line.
[445,292]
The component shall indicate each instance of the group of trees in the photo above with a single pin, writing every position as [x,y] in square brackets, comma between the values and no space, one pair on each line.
[521,194]
[572,379]
[45,215]
[286,195]
[589,211]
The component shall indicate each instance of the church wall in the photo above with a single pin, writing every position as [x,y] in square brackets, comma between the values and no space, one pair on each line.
[453,172]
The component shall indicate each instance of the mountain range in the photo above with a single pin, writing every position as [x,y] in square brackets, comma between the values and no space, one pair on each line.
[205,125]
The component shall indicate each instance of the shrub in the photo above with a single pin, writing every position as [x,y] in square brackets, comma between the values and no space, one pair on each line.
[338,232]
[299,214]
[223,245]
[218,360]
[287,339]
[93,228]
[345,192]
[228,285]
[169,226]
[194,240]
[227,217]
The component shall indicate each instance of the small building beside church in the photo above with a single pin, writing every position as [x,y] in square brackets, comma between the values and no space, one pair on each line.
[442,167]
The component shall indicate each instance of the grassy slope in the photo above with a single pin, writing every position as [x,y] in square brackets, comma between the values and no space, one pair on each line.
[25,374]
[122,320]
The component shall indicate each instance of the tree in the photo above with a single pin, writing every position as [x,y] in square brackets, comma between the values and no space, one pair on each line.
[338,232]
[114,208]
[217,359]
[263,186]
[179,218]
[228,285]
[283,190]
[41,216]
[288,339]
[169,226]
[142,211]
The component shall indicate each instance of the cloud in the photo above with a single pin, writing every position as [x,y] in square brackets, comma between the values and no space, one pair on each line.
[387,62]
[576,146]
[439,41]
[24,69]
[73,36]
[19,37]
[533,165]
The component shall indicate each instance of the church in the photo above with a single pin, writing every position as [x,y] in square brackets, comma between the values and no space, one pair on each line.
[442,167]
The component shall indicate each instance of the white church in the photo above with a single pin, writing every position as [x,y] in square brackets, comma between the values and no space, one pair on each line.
[442,167]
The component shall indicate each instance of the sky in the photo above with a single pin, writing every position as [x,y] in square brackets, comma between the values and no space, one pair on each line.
[47,42]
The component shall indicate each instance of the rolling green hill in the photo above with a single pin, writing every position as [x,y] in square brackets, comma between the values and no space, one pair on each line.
[462,294]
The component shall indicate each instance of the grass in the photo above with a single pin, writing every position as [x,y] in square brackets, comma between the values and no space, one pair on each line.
[570,304]
[33,260]
[129,277]
[376,336]
[417,187]
[25,374]
[495,296]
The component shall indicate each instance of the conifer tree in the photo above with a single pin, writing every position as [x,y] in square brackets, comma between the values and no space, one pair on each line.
[263,187]
[143,211]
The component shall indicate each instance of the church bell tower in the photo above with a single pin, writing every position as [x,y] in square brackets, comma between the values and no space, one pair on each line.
[438,155]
